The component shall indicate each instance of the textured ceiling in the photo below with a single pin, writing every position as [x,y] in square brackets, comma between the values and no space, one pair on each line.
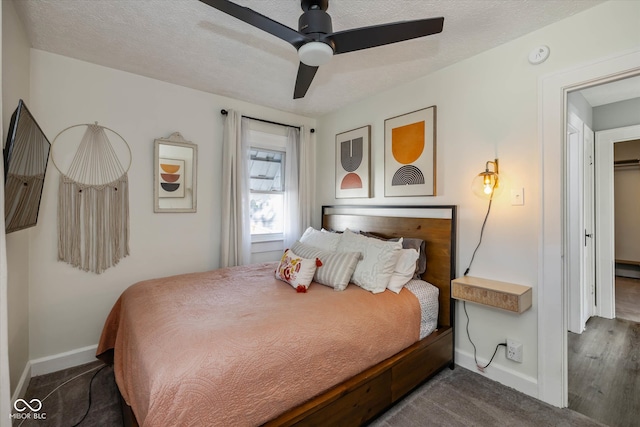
[188,43]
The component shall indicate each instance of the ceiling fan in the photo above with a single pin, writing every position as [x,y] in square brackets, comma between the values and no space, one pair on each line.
[317,43]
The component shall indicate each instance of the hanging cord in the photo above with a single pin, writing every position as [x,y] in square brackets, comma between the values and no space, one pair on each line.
[481,230]
[89,406]
[464,303]
[98,368]
[475,358]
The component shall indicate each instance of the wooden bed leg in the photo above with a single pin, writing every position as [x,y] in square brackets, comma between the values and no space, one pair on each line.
[452,366]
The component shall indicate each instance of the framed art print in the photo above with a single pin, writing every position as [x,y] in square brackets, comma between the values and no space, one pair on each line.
[352,163]
[171,180]
[175,173]
[410,154]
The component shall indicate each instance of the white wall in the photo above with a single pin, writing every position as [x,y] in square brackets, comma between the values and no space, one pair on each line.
[67,307]
[488,108]
[616,115]
[578,105]
[15,86]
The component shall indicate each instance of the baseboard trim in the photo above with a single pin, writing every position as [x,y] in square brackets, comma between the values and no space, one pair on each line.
[23,383]
[522,383]
[68,359]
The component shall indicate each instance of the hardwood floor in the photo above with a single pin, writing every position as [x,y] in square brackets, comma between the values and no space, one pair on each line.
[604,371]
[628,299]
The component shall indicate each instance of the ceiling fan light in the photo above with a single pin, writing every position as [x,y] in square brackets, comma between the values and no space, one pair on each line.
[315,54]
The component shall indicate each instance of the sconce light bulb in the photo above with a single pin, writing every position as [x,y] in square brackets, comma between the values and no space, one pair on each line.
[486,184]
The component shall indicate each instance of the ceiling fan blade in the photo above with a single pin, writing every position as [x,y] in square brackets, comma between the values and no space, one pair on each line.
[379,35]
[306,74]
[252,17]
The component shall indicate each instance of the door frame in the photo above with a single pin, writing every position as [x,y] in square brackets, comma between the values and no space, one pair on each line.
[552,280]
[605,216]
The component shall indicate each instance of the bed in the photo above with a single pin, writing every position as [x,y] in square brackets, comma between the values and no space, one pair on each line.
[165,337]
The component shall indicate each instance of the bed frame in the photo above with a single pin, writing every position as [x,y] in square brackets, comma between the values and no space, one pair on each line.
[365,396]
[368,394]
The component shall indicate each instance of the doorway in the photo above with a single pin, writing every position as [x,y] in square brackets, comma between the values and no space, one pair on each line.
[605,215]
[591,241]
[552,286]
[598,347]
[626,173]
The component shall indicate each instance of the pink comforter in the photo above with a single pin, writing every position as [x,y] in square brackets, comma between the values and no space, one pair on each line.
[237,347]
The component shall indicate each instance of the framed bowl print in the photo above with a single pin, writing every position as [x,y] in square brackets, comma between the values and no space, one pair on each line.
[175,172]
[410,154]
[353,163]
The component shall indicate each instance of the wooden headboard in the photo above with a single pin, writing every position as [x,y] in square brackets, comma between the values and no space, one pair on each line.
[436,225]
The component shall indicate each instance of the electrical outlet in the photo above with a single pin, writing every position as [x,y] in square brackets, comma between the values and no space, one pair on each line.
[514,350]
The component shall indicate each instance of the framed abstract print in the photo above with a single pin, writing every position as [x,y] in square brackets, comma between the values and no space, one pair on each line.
[175,172]
[410,154]
[353,163]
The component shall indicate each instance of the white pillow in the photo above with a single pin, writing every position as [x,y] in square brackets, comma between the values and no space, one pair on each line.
[296,271]
[378,262]
[321,239]
[336,269]
[404,270]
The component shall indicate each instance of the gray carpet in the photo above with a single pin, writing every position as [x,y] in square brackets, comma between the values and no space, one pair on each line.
[66,406]
[451,398]
[461,398]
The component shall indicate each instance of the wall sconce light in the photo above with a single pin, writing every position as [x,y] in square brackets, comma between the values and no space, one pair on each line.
[487,183]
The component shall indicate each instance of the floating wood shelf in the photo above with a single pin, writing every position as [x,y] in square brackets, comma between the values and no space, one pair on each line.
[502,295]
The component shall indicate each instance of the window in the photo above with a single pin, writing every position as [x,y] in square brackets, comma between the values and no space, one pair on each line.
[266,200]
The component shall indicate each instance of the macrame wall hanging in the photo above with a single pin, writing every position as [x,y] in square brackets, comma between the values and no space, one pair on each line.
[93,202]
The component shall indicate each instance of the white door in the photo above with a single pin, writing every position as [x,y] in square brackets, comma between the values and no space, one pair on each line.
[581,208]
[589,283]
[575,249]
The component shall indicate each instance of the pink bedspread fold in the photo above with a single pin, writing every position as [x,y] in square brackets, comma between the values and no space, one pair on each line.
[236,347]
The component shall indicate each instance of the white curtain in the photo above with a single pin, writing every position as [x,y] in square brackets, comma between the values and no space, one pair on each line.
[235,231]
[291,219]
[299,182]
[307,179]
[299,188]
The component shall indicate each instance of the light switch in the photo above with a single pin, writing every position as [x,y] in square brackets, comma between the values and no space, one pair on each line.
[517,197]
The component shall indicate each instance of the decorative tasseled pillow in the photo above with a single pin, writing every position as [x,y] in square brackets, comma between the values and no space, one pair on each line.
[296,271]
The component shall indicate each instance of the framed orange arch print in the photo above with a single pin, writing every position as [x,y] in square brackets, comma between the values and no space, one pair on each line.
[352,163]
[410,154]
